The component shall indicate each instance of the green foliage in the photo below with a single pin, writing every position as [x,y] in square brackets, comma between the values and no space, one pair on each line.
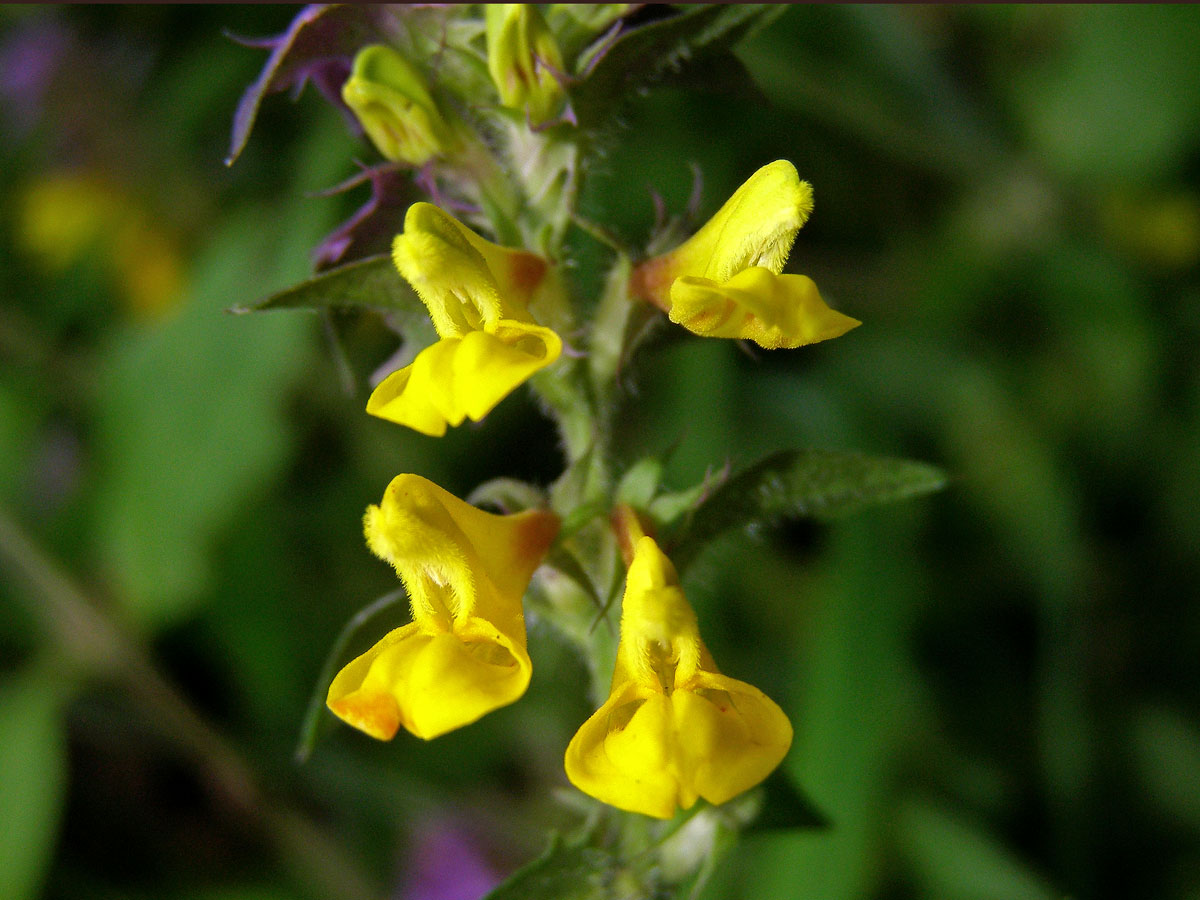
[568,872]
[678,858]
[188,418]
[819,484]
[640,483]
[643,55]
[371,283]
[959,861]
[1110,69]
[18,427]
[188,423]
[852,704]
[1166,750]
[786,808]
[33,763]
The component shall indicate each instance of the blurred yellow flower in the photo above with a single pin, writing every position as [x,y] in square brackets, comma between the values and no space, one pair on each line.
[523,59]
[390,98]
[673,728]
[725,280]
[478,295]
[463,655]
[65,217]
[149,267]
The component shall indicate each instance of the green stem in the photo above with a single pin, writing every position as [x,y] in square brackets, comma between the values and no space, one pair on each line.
[607,348]
[564,392]
[97,646]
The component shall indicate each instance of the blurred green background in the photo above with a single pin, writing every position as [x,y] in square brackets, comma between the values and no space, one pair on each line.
[996,690]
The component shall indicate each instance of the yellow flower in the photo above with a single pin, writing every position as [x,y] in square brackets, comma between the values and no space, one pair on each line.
[478,295]
[395,108]
[725,280]
[463,655]
[673,728]
[523,59]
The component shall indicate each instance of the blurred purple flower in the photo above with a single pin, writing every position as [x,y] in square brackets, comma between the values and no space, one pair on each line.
[446,863]
[29,59]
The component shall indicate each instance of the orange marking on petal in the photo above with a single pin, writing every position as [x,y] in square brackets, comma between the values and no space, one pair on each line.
[651,282]
[377,714]
[526,270]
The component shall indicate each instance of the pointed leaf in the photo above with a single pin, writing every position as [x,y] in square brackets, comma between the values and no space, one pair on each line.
[565,562]
[581,515]
[818,484]
[372,283]
[666,509]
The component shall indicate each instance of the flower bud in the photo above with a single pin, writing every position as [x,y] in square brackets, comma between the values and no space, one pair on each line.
[524,60]
[395,108]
